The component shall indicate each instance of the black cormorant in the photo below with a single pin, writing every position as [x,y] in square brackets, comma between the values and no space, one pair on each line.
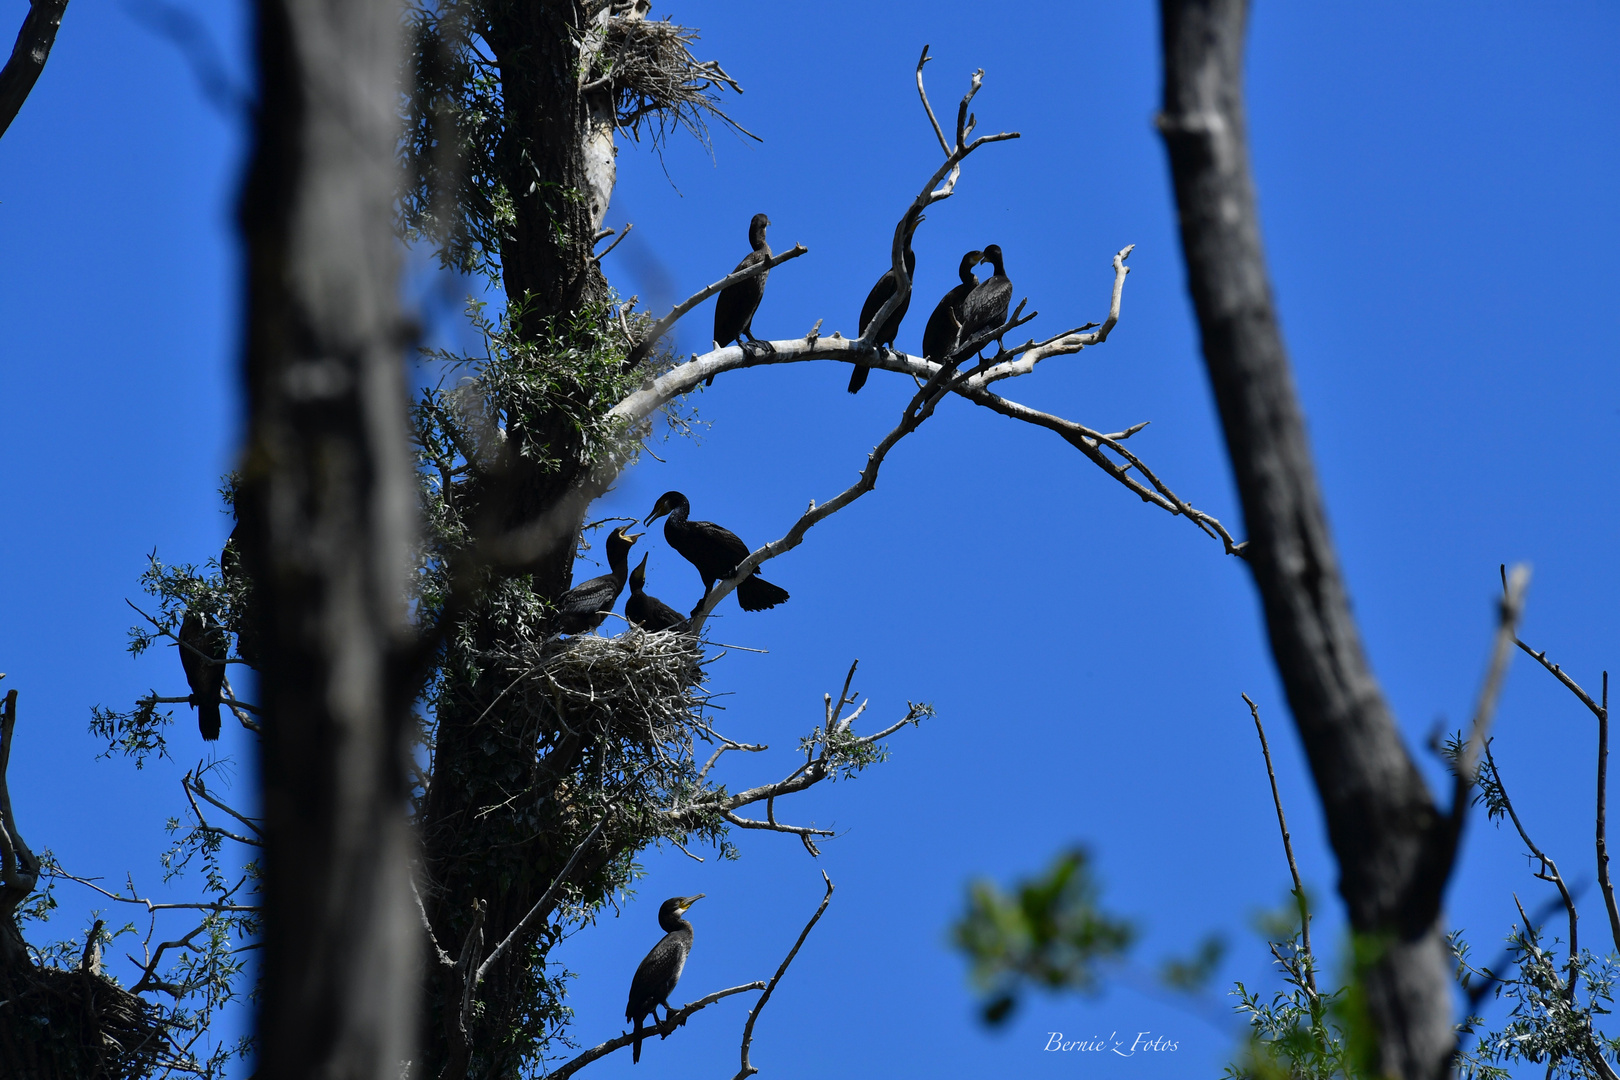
[584,606]
[200,634]
[939,336]
[715,552]
[649,612]
[986,306]
[656,977]
[877,298]
[734,311]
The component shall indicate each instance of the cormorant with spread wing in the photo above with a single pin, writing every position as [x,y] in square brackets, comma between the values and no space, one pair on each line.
[879,296]
[734,311]
[202,657]
[584,606]
[714,550]
[649,612]
[656,977]
[986,306]
[940,335]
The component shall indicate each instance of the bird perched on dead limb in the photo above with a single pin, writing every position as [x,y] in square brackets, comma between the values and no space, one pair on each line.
[940,334]
[584,606]
[649,612]
[986,306]
[658,973]
[880,294]
[202,657]
[734,311]
[715,551]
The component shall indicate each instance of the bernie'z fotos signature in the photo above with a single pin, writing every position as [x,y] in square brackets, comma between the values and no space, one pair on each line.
[1144,1043]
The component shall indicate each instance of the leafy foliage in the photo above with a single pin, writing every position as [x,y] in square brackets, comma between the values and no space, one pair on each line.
[1048,933]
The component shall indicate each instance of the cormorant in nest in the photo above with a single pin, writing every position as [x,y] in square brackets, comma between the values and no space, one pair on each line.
[715,552]
[649,612]
[940,335]
[656,977]
[584,606]
[986,306]
[878,297]
[734,311]
[202,656]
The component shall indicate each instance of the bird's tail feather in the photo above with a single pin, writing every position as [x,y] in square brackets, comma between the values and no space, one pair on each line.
[208,719]
[757,594]
[635,1047]
[857,378]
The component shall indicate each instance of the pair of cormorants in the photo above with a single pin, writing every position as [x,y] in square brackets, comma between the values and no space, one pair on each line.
[734,311]
[658,973]
[968,309]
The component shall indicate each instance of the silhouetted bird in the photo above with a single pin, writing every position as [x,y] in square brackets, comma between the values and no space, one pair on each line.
[656,977]
[734,311]
[715,551]
[986,306]
[649,612]
[584,606]
[879,296]
[202,640]
[939,336]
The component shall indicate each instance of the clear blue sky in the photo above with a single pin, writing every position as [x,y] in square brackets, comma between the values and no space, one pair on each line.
[1436,187]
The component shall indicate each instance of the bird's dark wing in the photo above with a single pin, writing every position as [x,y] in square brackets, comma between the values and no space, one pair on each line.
[986,307]
[713,549]
[651,613]
[199,634]
[582,607]
[939,335]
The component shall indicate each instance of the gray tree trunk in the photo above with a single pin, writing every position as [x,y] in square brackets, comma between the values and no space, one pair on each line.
[328,508]
[1394,848]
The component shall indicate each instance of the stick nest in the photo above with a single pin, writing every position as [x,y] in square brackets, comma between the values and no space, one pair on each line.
[58,1023]
[655,80]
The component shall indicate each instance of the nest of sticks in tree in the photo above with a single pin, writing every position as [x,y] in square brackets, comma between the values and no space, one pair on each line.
[57,1024]
[640,688]
[653,76]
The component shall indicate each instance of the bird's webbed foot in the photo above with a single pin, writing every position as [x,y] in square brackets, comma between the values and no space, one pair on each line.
[757,347]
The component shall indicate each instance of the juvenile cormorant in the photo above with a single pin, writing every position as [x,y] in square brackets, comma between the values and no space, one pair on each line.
[584,606]
[734,311]
[656,977]
[986,306]
[877,298]
[715,552]
[649,612]
[204,635]
[939,336]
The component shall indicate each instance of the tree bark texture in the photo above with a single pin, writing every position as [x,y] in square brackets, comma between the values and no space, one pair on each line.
[328,508]
[1393,846]
[28,56]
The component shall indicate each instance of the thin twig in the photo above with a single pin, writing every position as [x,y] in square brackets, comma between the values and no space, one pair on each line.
[542,907]
[748,1068]
[1288,848]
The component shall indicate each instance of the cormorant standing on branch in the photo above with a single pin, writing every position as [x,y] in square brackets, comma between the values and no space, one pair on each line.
[656,977]
[649,612]
[584,606]
[939,336]
[203,640]
[878,297]
[986,306]
[734,311]
[715,552]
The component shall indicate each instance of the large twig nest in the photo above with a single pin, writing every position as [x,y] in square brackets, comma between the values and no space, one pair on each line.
[649,68]
[57,1024]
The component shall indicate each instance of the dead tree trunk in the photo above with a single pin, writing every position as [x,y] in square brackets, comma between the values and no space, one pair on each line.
[1393,846]
[328,509]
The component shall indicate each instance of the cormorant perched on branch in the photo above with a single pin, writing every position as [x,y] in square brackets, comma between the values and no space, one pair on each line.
[878,297]
[939,336]
[656,977]
[734,311]
[584,606]
[986,306]
[715,552]
[200,634]
[649,612]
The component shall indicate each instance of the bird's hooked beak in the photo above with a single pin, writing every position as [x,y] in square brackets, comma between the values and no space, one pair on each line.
[630,537]
[690,900]
[657,512]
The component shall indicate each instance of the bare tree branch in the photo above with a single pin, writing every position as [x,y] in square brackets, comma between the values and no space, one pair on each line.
[28,56]
[660,1027]
[748,1068]
[1288,848]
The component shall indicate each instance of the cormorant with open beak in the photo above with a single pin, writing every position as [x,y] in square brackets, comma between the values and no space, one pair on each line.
[879,296]
[714,550]
[656,977]
[986,306]
[649,612]
[734,311]
[584,606]
[940,335]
